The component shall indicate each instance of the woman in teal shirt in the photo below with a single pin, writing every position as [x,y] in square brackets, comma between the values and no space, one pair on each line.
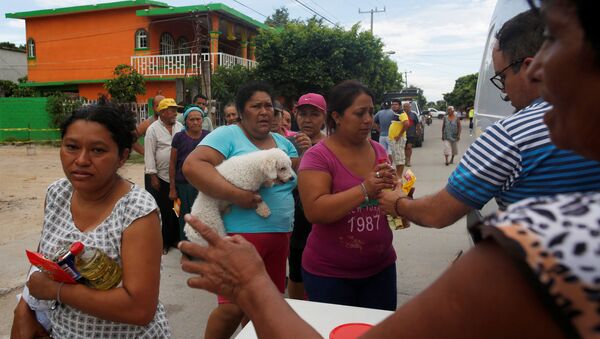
[269,235]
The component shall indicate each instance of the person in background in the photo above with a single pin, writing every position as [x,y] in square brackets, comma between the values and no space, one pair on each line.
[277,122]
[450,134]
[96,206]
[414,131]
[514,158]
[230,113]
[140,130]
[270,235]
[311,113]
[382,122]
[157,160]
[201,101]
[349,258]
[286,122]
[182,145]
[544,247]
[471,117]
[397,137]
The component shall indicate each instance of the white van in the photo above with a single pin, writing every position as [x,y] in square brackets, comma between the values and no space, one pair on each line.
[489,107]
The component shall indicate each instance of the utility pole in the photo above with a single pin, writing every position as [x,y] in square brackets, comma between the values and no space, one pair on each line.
[372,11]
[406,77]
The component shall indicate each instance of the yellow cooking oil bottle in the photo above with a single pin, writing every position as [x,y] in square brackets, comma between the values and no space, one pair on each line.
[99,270]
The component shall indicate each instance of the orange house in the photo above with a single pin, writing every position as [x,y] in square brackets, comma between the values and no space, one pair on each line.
[77,48]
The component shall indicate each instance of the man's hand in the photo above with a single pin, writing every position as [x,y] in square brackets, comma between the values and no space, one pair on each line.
[172,193]
[155,182]
[230,266]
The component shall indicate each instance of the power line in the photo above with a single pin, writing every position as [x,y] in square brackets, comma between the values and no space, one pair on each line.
[252,9]
[328,12]
[316,13]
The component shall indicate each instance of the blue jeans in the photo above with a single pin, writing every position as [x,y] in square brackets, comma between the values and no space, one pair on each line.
[385,142]
[377,291]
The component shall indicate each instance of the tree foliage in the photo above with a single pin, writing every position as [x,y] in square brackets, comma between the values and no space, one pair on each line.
[463,94]
[7,44]
[60,106]
[226,80]
[126,85]
[311,57]
[11,89]
[280,18]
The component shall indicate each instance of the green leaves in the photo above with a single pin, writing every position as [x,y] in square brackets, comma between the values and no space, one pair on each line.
[463,94]
[60,106]
[126,85]
[309,56]
[226,80]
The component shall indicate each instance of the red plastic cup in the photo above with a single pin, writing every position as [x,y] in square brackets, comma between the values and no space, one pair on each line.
[349,331]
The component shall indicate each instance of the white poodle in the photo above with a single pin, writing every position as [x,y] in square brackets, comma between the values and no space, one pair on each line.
[248,172]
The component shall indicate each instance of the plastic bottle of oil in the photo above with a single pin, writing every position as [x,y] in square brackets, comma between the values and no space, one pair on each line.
[100,271]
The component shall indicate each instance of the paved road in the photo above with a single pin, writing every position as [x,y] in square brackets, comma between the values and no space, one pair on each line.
[422,253]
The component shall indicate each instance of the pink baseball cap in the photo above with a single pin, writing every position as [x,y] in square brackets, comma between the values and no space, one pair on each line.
[313,99]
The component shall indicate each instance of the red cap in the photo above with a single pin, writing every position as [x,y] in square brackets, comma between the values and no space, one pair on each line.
[76,248]
[313,99]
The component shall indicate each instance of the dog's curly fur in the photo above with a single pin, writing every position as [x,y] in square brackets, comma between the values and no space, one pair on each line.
[248,172]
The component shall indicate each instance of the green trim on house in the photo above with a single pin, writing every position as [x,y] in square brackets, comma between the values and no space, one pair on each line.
[141,49]
[85,8]
[77,82]
[203,8]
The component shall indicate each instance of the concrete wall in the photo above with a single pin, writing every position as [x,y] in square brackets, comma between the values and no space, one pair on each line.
[13,64]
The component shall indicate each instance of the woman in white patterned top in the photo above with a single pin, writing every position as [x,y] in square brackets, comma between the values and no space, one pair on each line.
[96,206]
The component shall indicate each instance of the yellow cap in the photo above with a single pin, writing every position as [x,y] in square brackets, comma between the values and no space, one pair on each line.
[166,103]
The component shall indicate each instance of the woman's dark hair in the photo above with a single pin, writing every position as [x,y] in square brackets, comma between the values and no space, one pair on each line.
[118,120]
[247,90]
[341,97]
[586,13]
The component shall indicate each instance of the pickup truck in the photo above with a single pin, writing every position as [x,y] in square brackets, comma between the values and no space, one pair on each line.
[435,113]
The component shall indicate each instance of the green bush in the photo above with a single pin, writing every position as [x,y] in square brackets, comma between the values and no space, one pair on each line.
[60,106]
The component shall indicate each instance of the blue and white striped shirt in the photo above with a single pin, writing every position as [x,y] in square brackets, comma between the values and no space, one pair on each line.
[514,159]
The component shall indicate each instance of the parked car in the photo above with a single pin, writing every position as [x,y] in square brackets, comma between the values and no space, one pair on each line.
[435,113]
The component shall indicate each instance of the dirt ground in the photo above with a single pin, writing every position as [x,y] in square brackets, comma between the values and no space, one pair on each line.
[24,175]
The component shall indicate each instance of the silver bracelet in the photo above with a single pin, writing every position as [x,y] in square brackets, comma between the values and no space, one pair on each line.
[58,292]
[364,190]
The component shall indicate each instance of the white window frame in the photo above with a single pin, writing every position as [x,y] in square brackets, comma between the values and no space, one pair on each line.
[167,44]
[141,38]
[30,48]
[182,45]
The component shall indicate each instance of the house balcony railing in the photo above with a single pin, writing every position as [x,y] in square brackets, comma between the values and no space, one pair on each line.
[184,64]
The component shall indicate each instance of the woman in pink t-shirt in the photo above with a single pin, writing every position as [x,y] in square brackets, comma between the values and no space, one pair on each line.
[349,258]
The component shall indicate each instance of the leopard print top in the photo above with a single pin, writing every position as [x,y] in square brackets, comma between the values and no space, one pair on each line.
[558,237]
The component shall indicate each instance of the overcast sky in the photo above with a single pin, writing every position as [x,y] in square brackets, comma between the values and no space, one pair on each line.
[436,41]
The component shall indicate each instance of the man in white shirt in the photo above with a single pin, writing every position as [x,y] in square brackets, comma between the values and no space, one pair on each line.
[157,149]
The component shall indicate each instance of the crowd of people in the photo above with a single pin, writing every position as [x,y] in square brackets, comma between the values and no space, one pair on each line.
[329,224]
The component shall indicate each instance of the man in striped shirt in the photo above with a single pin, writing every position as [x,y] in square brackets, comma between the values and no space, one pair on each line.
[514,158]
